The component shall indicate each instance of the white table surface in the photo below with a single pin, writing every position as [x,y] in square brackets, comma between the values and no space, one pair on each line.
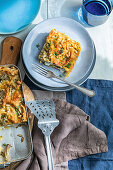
[102,35]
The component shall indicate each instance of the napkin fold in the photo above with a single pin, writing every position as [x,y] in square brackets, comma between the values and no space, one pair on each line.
[74,137]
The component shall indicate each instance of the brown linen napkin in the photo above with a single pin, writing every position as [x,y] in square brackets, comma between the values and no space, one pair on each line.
[74,137]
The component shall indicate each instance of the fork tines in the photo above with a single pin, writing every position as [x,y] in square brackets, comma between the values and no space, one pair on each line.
[39,69]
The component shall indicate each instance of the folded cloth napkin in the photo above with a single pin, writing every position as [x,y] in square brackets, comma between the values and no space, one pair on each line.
[100,109]
[74,137]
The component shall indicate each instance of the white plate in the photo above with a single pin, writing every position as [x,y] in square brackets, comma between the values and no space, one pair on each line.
[73,29]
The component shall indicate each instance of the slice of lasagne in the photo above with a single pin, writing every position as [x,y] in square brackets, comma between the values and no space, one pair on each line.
[12,106]
[60,51]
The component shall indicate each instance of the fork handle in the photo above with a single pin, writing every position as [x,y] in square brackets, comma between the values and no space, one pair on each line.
[49,153]
[86,91]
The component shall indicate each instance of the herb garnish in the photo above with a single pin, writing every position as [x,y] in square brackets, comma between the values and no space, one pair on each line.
[17,111]
[48,46]
[61,51]
[38,46]
[1,97]
[68,65]
[2,116]
[60,75]
[22,100]
[4,144]
[56,54]
[57,36]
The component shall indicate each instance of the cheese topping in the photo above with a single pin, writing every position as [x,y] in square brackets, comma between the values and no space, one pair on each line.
[12,106]
[61,51]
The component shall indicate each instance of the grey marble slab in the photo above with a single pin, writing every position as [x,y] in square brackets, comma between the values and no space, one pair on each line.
[48,95]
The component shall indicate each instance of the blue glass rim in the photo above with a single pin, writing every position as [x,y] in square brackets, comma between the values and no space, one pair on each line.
[108,5]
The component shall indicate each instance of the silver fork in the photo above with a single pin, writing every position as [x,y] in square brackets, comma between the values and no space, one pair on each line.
[49,74]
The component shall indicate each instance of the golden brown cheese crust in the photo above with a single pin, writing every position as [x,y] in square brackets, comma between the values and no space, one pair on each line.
[12,106]
[61,51]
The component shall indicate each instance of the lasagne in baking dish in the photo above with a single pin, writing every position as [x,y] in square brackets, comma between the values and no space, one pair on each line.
[60,51]
[12,106]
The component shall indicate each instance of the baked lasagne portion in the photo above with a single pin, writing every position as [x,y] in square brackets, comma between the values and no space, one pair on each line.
[12,106]
[60,51]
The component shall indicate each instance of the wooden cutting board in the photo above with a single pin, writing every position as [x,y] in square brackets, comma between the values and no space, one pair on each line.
[10,54]
[11,47]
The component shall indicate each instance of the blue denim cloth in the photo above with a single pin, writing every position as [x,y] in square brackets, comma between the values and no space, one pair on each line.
[100,109]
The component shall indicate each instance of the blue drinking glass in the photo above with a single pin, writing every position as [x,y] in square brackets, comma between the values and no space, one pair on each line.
[96,12]
[15,15]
